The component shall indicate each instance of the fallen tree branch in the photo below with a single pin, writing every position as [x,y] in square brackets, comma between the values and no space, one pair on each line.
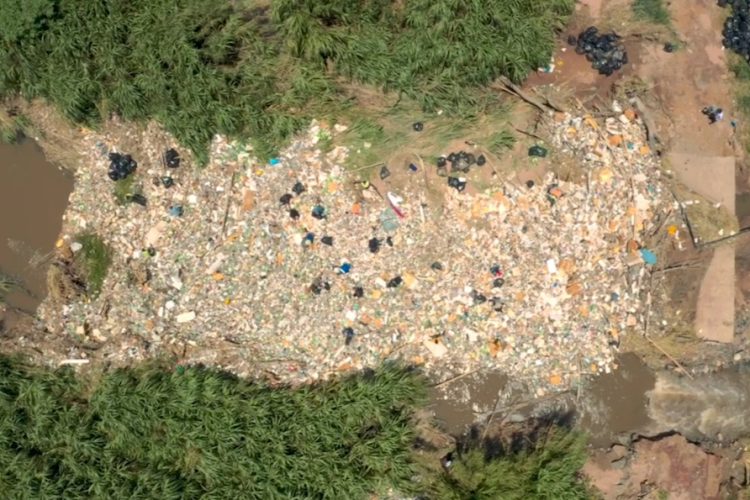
[454,379]
[648,336]
[512,88]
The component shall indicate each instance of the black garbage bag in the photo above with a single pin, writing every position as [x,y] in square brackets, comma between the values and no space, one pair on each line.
[603,50]
[537,151]
[171,158]
[136,198]
[572,40]
[384,172]
[120,166]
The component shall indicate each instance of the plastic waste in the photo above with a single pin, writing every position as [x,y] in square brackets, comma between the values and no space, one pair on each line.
[418,126]
[298,188]
[393,201]
[384,173]
[327,240]
[285,199]
[389,241]
[318,285]
[442,162]
[497,304]
[121,166]
[348,335]
[136,198]
[167,181]
[388,219]
[648,256]
[171,158]
[481,160]
[458,183]
[478,298]
[395,282]
[605,51]
[175,210]
[537,151]
[412,167]
[498,282]
[668,47]
[318,212]
[308,240]
[359,292]
[436,266]
[294,213]
[274,161]
[344,268]
[529,184]
[373,245]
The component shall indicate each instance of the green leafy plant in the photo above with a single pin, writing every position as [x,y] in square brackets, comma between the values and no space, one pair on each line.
[123,188]
[198,433]
[654,11]
[92,261]
[7,283]
[202,68]
[546,468]
[500,141]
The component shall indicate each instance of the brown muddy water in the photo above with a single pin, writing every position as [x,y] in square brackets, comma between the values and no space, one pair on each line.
[606,407]
[33,197]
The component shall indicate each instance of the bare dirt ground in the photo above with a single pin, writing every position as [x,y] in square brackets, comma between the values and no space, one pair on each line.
[677,86]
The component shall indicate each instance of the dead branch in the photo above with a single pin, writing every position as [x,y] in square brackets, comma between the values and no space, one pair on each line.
[454,379]
[513,89]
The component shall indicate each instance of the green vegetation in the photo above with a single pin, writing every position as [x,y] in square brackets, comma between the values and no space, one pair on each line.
[500,141]
[741,70]
[13,126]
[7,284]
[123,188]
[545,469]
[92,261]
[201,67]
[197,433]
[156,433]
[654,11]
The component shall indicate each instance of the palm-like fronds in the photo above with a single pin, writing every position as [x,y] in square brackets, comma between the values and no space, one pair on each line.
[201,68]
[151,433]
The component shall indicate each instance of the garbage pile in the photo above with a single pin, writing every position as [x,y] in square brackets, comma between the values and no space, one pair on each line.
[736,30]
[605,52]
[120,166]
[296,267]
[460,162]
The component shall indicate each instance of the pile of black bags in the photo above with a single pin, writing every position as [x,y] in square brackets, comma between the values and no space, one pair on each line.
[120,166]
[604,51]
[736,30]
[460,162]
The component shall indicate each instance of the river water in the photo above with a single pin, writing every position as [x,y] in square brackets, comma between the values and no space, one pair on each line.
[33,197]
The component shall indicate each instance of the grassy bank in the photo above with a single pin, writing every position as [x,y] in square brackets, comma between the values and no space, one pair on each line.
[189,433]
[196,433]
[263,71]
